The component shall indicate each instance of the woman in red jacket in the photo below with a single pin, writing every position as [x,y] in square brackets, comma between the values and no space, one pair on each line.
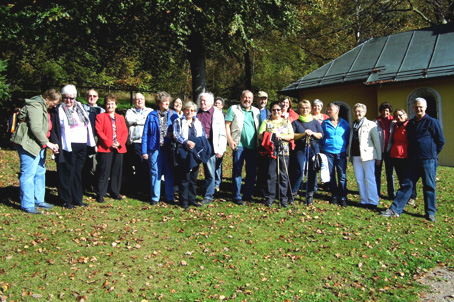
[112,136]
[397,148]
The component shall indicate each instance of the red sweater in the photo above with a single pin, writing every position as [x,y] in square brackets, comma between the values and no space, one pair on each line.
[104,130]
[400,142]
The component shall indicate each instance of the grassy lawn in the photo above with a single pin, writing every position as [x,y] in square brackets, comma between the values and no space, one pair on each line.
[130,251]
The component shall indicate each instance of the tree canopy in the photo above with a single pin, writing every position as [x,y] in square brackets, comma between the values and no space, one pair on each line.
[186,46]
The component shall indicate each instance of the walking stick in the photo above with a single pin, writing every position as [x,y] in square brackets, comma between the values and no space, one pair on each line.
[278,147]
[289,188]
[306,166]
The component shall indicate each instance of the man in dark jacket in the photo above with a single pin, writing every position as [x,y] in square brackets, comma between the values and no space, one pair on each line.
[425,141]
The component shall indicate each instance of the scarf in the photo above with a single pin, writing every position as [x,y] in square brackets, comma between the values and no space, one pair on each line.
[162,125]
[356,126]
[306,119]
[78,110]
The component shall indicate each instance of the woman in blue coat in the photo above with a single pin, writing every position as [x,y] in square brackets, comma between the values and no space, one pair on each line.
[157,147]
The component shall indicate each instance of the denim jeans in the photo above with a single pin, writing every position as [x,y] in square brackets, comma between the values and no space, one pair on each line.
[400,165]
[32,178]
[337,164]
[160,164]
[389,175]
[426,169]
[239,157]
[209,170]
[300,160]
[218,173]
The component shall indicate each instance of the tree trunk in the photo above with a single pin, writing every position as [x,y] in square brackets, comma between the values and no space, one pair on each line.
[247,70]
[196,58]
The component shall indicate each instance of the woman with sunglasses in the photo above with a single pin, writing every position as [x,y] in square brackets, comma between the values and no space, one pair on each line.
[279,131]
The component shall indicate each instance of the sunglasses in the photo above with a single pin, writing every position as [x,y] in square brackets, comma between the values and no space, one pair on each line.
[68,98]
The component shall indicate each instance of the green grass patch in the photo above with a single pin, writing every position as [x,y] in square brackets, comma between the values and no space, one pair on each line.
[131,251]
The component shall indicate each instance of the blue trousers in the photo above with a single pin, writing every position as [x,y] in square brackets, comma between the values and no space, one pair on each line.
[425,169]
[32,178]
[240,156]
[160,164]
[337,164]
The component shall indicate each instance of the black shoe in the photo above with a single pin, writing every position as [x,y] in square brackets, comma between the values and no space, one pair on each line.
[118,197]
[82,204]
[344,202]
[333,200]
[269,204]
[207,201]
[284,204]
[310,200]
[371,207]
[68,206]
[239,202]
[100,199]
[196,204]
[154,202]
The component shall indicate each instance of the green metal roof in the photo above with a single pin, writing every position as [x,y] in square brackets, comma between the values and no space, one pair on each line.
[412,55]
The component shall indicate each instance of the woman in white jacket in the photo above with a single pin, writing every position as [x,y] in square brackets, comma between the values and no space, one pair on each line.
[365,152]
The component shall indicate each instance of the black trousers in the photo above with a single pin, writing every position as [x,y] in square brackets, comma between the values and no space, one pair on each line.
[272,179]
[262,171]
[139,167]
[110,165]
[70,174]
[187,187]
[89,171]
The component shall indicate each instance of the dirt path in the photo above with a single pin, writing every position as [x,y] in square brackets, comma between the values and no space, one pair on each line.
[441,283]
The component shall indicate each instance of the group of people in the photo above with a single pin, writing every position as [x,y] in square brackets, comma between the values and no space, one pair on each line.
[277,145]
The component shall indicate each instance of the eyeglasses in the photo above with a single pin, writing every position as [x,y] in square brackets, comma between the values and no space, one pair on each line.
[276,109]
[189,110]
[92,96]
[68,98]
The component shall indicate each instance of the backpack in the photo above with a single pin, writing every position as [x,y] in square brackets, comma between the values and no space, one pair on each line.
[14,121]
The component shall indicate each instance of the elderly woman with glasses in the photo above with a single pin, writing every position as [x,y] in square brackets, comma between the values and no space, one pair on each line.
[73,133]
[364,151]
[307,132]
[193,148]
[280,132]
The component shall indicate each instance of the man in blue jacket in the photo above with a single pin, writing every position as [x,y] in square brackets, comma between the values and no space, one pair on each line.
[336,132]
[425,141]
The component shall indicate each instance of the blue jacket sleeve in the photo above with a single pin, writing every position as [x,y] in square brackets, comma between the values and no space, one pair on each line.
[146,129]
[439,138]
